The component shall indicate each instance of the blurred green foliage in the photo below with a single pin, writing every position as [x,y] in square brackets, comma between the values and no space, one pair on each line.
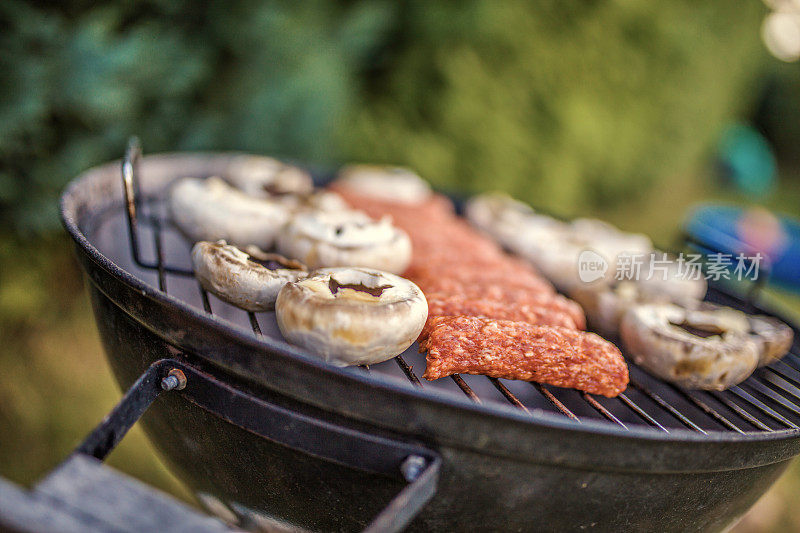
[565,104]
[573,103]
[778,113]
[77,78]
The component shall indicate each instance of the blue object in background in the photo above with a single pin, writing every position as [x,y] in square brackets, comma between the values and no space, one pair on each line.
[723,228]
[747,160]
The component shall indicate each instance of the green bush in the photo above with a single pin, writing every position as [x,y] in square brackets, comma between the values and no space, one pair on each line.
[77,79]
[567,104]
[778,113]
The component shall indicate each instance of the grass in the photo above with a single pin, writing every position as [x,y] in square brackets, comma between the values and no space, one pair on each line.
[55,385]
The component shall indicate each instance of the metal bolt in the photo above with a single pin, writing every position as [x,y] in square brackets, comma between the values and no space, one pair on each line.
[412,466]
[175,380]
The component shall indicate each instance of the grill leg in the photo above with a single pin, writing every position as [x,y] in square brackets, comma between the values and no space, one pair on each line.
[410,501]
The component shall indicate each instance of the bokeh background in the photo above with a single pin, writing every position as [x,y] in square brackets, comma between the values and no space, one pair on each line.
[628,110]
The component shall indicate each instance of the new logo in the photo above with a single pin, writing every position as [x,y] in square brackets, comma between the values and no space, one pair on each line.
[591,266]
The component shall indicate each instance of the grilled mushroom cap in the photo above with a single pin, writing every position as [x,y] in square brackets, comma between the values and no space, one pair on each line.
[484,211]
[606,304]
[345,238]
[773,336]
[558,257]
[319,200]
[696,349]
[212,210]
[265,177]
[500,216]
[395,184]
[248,280]
[555,247]
[609,240]
[352,316]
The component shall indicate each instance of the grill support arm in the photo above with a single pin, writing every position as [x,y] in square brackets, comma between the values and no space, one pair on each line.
[418,466]
[145,390]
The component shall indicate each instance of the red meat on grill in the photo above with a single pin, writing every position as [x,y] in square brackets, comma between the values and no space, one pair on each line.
[456,305]
[490,313]
[516,350]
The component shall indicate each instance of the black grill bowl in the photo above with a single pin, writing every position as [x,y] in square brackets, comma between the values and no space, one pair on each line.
[519,458]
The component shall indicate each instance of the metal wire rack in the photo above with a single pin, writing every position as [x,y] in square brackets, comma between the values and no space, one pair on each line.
[768,401]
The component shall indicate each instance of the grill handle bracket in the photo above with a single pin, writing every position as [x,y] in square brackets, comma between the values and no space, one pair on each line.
[105,437]
[417,465]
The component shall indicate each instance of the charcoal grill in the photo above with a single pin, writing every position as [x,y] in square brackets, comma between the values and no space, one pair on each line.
[276,437]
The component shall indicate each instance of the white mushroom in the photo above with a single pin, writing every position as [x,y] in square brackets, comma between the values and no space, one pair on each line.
[486,211]
[773,337]
[696,349]
[553,247]
[265,177]
[504,218]
[558,256]
[663,277]
[605,304]
[555,252]
[352,316]
[250,280]
[609,240]
[394,184]
[345,238]
[212,210]
[319,200]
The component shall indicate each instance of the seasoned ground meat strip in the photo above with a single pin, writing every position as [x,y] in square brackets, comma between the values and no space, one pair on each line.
[471,268]
[508,294]
[456,305]
[471,283]
[516,350]
[437,206]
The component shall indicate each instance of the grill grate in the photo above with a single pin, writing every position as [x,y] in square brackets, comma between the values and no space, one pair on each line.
[766,402]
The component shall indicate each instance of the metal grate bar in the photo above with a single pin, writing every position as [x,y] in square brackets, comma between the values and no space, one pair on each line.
[544,391]
[508,395]
[667,407]
[777,381]
[641,412]
[466,389]
[254,323]
[761,406]
[757,386]
[786,371]
[713,413]
[602,410]
[739,410]
[791,357]
[204,296]
[407,370]
[162,276]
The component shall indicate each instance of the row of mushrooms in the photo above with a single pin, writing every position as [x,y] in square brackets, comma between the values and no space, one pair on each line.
[333,282]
